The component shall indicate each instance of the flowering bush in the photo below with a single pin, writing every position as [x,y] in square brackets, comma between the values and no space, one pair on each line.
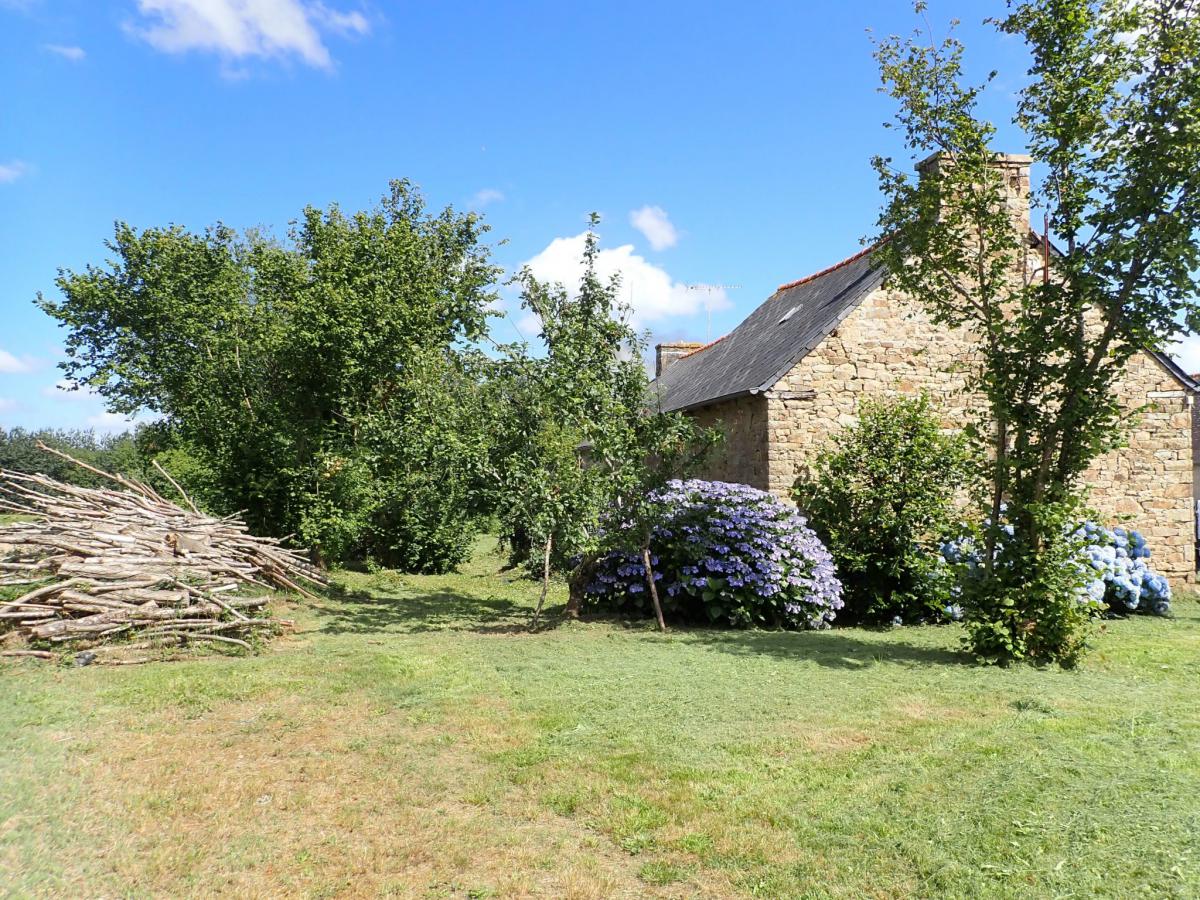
[1118,573]
[729,554]
[1112,565]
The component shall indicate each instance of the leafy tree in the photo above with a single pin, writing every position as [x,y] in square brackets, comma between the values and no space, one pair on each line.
[323,380]
[1111,109]
[585,440]
[881,496]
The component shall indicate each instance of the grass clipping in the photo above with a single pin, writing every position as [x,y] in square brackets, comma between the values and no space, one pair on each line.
[124,569]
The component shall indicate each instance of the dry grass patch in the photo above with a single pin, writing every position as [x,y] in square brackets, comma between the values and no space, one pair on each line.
[272,798]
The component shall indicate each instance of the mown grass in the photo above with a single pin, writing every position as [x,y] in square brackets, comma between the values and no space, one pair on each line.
[411,739]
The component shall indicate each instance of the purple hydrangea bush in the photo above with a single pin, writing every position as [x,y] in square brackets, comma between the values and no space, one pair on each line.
[726,554]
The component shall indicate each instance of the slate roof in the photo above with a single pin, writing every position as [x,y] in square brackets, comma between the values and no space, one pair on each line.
[785,329]
[776,336]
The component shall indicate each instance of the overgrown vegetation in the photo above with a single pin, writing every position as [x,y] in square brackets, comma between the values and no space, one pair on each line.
[326,382]
[882,497]
[1111,109]
[111,452]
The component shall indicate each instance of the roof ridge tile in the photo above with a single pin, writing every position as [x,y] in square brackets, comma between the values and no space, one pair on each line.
[845,262]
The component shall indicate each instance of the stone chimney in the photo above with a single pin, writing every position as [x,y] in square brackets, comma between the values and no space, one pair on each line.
[1013,168]
[665,354]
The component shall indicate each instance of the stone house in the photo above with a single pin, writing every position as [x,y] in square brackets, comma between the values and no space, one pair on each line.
[789,376]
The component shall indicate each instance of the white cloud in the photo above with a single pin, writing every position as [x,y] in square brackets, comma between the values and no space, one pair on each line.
[646,288]
[240,29]
[11,365]
[484,197]
[66,51]
[1187,353]
[11,171]
[654,223]
[341,22]
[7,404]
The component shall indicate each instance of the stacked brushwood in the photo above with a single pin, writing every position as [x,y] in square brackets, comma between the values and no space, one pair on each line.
[121,570]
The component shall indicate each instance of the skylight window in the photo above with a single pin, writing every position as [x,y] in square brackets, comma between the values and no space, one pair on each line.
[787,315]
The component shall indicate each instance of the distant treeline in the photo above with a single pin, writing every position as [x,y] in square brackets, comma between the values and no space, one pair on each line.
[129,453]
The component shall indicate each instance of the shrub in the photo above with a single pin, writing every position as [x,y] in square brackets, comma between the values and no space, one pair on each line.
[1090,570]
[1031,603]
[881,498]
[726,554]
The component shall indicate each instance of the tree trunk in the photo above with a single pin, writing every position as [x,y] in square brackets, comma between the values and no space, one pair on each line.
[662,625]
[998,483]
[578,585]
[537,613]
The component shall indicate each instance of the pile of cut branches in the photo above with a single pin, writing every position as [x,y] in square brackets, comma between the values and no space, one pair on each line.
[124,569]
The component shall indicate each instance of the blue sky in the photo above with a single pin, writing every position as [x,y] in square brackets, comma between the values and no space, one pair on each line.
[725,144]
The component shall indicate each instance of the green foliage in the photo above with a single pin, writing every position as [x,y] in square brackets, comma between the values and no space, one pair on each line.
[1112,110]
[1031,604]
[881,498]
[581,435]
[119,453]
[322,382]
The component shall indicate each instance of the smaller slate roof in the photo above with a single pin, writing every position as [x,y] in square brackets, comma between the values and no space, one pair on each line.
[776,336]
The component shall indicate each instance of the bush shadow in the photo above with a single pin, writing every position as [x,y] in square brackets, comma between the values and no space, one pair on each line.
[833,648]
[364,612]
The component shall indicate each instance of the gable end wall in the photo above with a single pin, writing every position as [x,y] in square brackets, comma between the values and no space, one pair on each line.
[889,346]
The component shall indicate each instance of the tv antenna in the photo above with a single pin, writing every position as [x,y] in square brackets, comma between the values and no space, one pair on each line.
[709,290]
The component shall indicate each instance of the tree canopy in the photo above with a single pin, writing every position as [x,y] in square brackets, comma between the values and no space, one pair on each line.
[1111,111]
[327,380]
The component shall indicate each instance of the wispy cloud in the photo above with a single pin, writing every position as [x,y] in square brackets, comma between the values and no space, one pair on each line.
[12,170]
[655,225]
[241,29]
[111,422]
[66,51]
[11,365]
[340,22]
[485,197]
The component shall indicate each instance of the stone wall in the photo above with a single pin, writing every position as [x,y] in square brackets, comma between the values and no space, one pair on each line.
[889,346]
[1196,448]
[742,458]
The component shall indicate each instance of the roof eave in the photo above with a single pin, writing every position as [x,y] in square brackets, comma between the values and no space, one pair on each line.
[713,401]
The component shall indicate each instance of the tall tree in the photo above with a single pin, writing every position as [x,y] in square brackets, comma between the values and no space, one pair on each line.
[1111,110]
[593,448]
[325,379]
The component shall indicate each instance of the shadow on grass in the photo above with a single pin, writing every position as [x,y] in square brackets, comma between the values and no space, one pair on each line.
[361,612]
[835,648]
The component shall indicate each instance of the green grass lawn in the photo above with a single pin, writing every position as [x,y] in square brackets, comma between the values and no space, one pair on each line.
[410,739]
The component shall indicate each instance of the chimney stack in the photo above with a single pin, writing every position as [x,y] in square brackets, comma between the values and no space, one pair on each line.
[665,354]
[1013,169]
